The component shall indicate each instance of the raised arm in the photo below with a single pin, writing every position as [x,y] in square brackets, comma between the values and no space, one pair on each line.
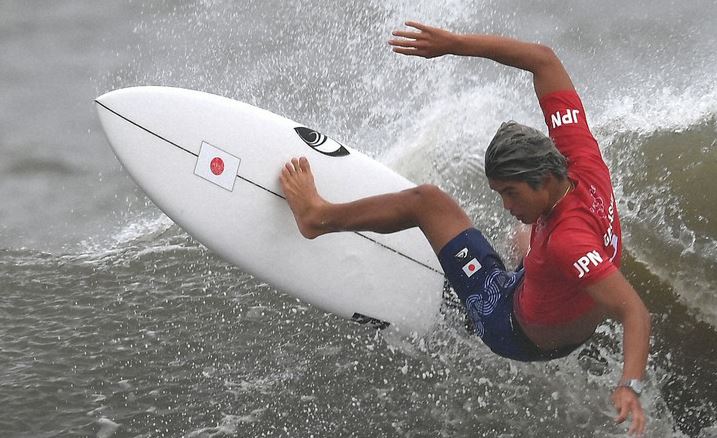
[429,42]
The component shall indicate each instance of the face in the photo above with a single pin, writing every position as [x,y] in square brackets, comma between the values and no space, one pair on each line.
[522,201]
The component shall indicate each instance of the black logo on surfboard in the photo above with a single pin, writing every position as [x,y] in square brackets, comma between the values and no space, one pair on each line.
[321,143]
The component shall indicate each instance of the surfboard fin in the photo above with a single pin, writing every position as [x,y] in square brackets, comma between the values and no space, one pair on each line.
[376,323]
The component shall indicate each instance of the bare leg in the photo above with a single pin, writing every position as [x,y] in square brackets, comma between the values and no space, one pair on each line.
[438,216]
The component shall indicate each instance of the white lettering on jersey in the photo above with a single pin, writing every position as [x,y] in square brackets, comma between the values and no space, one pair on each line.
[610,238]
[584,262]
[570,117]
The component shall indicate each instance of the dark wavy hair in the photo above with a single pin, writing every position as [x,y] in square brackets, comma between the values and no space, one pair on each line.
[521,153]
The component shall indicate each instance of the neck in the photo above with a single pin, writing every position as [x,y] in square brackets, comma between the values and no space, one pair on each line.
[561,190]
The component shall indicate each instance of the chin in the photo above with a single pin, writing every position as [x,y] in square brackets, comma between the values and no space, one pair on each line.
[526,221]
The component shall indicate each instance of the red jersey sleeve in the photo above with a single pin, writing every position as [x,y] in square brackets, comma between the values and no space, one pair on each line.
[579,253]
[568,127]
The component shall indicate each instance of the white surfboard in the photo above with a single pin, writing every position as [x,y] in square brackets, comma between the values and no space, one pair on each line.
[212,164]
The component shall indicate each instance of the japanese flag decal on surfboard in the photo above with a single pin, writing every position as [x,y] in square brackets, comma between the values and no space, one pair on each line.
[212,164]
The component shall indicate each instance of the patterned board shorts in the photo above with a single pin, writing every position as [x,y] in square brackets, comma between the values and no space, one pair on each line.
[478,275]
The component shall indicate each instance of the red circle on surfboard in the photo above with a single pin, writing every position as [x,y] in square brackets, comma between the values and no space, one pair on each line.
[217,166]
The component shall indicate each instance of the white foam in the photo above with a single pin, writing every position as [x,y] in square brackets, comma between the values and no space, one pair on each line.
[107,427]
[227,426]
[142,227]
[94,250]
[648,110]
[455,128]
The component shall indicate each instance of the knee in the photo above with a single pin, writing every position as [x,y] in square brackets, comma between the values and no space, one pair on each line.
[428,197]
[429,193]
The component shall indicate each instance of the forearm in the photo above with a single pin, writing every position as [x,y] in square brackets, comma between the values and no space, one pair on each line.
[430,42]
[622,303]
[636,342]
[508,51]
[548,72]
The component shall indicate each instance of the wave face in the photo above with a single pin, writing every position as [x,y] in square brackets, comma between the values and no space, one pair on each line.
[115,322]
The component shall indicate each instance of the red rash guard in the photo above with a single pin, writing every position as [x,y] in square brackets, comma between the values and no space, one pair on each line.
[580,241]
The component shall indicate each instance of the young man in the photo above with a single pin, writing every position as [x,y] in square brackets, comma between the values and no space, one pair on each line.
[570,279]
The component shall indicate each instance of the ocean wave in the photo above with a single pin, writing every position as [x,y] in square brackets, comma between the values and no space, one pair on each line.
[668,210]
[39,166]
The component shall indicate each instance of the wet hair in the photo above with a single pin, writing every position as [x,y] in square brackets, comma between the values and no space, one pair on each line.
[521,153]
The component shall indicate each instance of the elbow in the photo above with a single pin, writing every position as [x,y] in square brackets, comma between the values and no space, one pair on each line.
[637,315]
[545,56]
[631,310]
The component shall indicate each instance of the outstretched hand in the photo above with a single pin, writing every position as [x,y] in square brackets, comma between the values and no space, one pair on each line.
[426,41]
[627,403]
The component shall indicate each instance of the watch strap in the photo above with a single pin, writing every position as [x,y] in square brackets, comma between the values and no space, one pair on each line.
[636,385]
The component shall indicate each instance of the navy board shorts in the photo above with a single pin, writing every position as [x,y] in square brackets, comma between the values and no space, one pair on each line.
[478,275]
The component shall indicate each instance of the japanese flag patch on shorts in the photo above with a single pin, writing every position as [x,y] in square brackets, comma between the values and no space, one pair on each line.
[471,267]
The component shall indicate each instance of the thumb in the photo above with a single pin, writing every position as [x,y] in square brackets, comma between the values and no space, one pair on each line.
[622,412]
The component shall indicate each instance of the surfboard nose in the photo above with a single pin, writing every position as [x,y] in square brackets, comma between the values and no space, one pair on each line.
[124,104]
[113,100]
[107,98]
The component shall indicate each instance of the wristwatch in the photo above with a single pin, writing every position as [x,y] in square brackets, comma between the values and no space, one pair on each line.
[635,384]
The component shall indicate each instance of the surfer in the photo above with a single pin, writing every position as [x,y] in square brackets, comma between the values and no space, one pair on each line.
[569,279]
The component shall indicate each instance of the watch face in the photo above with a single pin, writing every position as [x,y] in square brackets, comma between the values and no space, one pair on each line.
[634,384]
